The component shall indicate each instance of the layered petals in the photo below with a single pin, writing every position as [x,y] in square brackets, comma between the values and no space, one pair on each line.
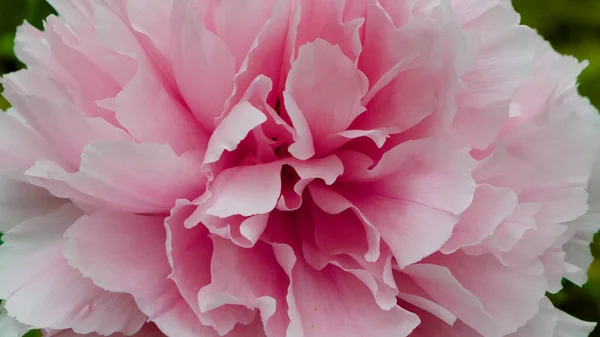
[293,168]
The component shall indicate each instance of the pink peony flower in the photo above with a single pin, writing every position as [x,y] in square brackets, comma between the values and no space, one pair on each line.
[293,169]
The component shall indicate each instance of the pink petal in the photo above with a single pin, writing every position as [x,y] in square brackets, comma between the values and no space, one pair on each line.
[509,232]
[334,203]
[439,283]
[150,114]
[20,145]
[141,178]
[266,53]
[543,324]
[410,185]
[204,78]
[75,301]
[81,67]
[245,190]
[426,171]
[377,276]
[410,294]
[332,301]
[432,326]
[504,62]
[499,287]
[385,47]
[63,126]
[249,16]
[95,249]
[401,104]
[20,202]
[490,207]
[31,47]
[330,101]
[542,145]
[325,20]
[327,169]
[148,330]
[342,233]
[234,128]
[239,278]
[303,147]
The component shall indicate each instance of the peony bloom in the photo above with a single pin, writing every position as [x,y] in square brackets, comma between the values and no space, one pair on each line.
[278,168]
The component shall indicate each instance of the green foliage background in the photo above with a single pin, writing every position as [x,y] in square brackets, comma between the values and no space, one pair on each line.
[573,27]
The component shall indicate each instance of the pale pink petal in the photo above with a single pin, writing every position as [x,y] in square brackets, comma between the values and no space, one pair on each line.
[410,185]
[245,190]
[251,279]
[533,244]
[569,326]
[148,330]
[332,301]
[20,146]
[232,129]
[505,61]
[204,78]
[439,283]
[388,50]
[10,327]
[411,294]
[20,201]
[249,16]
[509,232]
[330,101]
[490,207]
[303,147]
[325,20]
[31,47]
[103,246]
[542,324]
[542,145]
[143,178]
[63,126]
[498,287]
[80,68]
[425,171]
[266,53]
[377,276]
[38,277]
[150,114]
[152,20]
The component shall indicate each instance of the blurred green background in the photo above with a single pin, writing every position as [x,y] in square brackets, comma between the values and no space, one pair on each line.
[573,27]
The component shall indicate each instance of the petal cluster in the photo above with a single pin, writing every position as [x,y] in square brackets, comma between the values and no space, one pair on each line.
[277,168]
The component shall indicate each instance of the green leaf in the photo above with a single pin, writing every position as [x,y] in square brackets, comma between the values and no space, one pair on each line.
[33,333]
